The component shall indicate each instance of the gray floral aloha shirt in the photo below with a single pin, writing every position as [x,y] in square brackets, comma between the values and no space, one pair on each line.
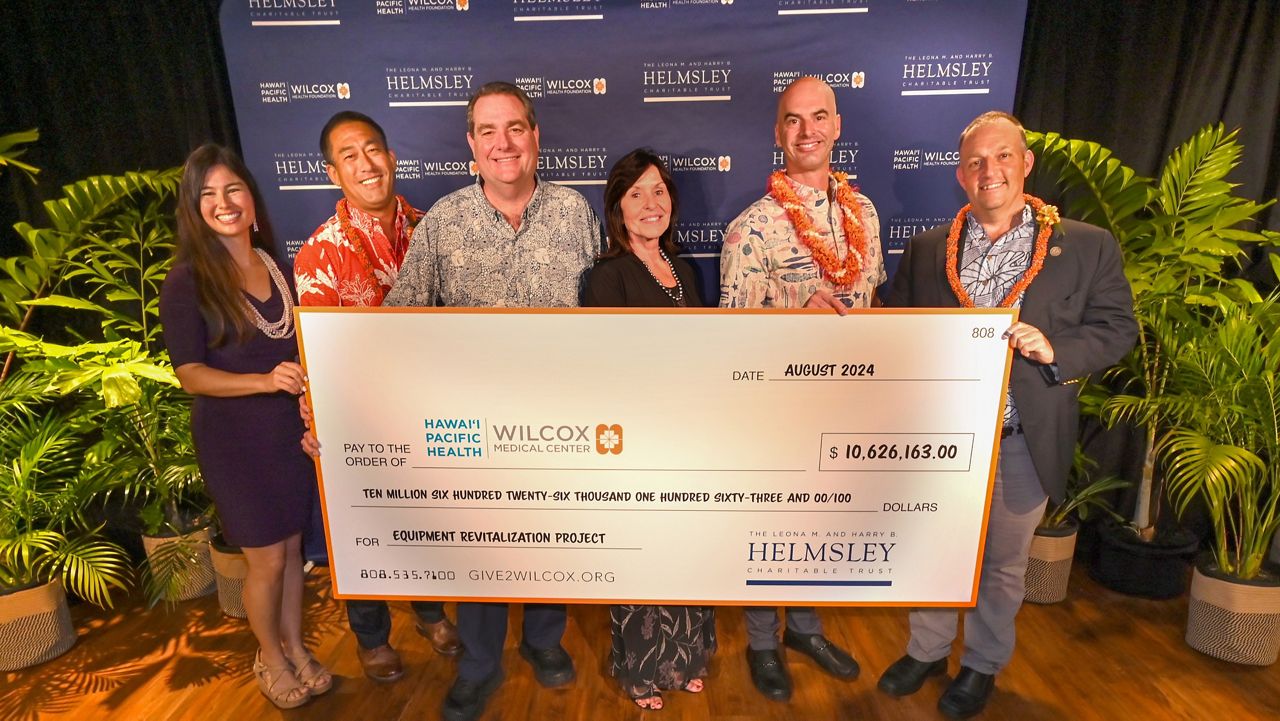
[763,264]
[465,254]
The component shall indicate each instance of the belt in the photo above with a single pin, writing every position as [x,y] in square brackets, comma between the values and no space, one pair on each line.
[1010,431]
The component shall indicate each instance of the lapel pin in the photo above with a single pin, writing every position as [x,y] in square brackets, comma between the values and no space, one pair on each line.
[1055,251]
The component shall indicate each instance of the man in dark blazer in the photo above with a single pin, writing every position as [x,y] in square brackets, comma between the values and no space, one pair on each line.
[1076,317]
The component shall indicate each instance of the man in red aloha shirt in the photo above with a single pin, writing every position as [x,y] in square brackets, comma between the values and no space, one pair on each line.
[353,259]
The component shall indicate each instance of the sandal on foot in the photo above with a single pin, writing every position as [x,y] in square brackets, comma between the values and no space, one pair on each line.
[651,701]
[272,680]
[312,674]
[695,685]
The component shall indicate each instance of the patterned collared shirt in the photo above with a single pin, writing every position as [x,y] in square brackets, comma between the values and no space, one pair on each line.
[763,264]
[989,269]
[465,254]
[329,271]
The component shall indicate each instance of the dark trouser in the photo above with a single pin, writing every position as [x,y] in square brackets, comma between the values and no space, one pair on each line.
[371,620]
[314,547]
[763,625]
[483,629]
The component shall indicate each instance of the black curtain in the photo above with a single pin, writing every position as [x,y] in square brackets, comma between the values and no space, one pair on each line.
[112,85]
[1141,77]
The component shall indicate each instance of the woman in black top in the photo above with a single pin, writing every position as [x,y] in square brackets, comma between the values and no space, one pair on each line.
[654,647]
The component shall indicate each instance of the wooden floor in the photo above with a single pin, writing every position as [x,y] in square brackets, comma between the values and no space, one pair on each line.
[1099,655]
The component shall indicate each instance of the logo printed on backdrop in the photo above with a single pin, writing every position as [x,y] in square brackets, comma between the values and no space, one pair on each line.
[537,86]
[555,10]
[280,91]
[947,74]
[837,79]
[292,13]
[700,238]
[900,229]
[573,166]
[822,7]
[301,171]
[686,81]
[666,4]
[435,86]
[419,168]
[401,7]
[844,157]
[916,158]
[697,162]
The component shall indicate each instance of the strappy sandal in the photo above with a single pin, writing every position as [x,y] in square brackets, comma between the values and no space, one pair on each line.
[654,699]
[695,685]
[312,674]
[269,677]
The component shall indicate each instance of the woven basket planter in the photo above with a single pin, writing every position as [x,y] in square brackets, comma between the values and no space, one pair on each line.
[1049,564]
[35,626]
[198,579]
[1236,621]
[230,568]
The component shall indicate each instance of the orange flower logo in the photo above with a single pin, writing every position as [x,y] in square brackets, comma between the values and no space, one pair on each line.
[724,162]
[608,439]
[463,4]
[598,86]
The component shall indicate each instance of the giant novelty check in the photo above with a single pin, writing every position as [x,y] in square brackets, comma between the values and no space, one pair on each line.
[703,457]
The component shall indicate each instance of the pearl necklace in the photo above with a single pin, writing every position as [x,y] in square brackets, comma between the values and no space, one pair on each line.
[677,298]
[282,328]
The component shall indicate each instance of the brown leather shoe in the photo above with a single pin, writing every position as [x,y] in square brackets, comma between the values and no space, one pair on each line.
[443,637]
[381,664]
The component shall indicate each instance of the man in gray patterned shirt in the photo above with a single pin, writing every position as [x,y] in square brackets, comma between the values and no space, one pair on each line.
[511,240]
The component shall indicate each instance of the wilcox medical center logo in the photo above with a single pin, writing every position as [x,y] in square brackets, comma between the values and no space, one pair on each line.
[464,437]
[947,74]
[293,13]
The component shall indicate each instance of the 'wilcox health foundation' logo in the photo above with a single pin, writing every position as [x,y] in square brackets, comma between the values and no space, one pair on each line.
[687,81]
[403,7]
[697,162]
[283,91]
[426,87]
[837,79]
[537,86]
[947,74]
[292,13]
[420,168]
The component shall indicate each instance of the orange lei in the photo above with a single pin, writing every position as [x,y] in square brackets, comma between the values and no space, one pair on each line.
[836,271]
[1046,216]
[357,240]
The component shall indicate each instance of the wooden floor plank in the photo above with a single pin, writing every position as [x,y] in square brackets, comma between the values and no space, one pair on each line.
[1099,655]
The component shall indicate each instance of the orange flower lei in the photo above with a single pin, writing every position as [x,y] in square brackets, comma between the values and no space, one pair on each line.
[838,272]
[1046,216]
[357,239]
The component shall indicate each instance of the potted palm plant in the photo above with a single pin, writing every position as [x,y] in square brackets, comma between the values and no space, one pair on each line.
[1182,239]
[1054,544]
[1224,452]
[46,544]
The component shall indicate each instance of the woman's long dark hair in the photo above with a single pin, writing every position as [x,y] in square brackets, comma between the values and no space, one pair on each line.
[216,277]
[622,176]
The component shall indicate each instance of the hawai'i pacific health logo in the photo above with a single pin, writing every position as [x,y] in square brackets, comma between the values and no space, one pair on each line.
[609,439]
[403,7]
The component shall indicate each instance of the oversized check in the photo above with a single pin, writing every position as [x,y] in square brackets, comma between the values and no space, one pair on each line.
[709,457]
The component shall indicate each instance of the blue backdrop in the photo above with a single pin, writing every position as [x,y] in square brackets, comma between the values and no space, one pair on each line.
[697,80]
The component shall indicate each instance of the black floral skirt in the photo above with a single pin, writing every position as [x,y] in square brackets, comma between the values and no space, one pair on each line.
[660,647]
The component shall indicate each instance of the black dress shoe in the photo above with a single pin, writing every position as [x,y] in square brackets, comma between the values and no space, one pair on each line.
[551,666]
[768,674]
[466,699]
[907,675]
[833,659]
[968,694]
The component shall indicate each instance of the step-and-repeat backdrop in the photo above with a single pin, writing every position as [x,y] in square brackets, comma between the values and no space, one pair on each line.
[696,80]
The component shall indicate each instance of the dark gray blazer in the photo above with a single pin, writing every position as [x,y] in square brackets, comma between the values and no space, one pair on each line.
[1082,303]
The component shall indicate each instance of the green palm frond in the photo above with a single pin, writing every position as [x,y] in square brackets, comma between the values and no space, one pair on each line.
[1110,193]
